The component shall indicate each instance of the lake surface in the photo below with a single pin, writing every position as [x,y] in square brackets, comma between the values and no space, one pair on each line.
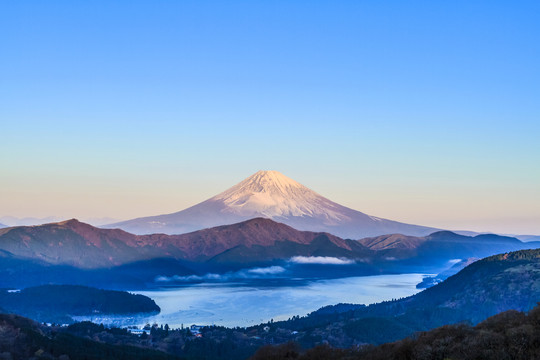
[236,304]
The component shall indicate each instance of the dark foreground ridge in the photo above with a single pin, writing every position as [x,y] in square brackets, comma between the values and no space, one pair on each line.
[508,335]
[23,338]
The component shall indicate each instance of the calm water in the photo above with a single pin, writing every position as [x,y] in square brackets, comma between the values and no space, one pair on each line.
[233,304]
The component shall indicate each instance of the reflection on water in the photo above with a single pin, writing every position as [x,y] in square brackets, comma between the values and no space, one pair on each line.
[234,304]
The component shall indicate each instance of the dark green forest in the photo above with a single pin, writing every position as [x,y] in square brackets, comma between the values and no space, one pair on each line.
[511,335]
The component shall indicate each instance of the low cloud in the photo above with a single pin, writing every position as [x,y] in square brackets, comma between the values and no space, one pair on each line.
[254,273]
[271,270]
[325,260]
[188,278]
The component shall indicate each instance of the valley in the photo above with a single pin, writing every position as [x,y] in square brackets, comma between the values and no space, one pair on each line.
[486,287]
[246,303]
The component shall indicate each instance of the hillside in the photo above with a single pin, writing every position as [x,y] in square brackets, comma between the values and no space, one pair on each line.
[443,245]
[509,281]
[25,339]
[74,243]
[508,335]
[244,240]
[429,281]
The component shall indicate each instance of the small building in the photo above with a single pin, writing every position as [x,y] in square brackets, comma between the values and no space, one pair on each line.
[196,329]
[138,332]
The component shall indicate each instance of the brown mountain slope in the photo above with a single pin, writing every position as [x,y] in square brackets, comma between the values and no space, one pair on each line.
[254,232]
[74,243]
[442,245]
[392,241]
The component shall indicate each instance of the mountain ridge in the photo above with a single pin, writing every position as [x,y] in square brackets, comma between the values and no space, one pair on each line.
[74,243]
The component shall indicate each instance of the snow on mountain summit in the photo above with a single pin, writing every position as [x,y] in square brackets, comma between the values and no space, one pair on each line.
[272,195]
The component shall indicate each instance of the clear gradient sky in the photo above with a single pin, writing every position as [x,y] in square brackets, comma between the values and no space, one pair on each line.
[426,112]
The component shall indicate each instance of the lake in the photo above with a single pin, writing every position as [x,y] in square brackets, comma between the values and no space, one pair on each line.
[244,304]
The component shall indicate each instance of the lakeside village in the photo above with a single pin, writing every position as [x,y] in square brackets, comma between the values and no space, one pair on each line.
[196,330]
[164,337]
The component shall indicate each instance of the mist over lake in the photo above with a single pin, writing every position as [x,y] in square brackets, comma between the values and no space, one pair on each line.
[246,304]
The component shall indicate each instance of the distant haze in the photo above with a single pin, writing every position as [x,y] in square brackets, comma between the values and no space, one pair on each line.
[23,221]
[454,215]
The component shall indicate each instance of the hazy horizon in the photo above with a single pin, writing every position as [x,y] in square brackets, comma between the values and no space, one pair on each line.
[425,113]
[98,221]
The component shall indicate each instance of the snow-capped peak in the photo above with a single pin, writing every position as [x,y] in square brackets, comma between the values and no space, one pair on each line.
[274,195]
[269,181]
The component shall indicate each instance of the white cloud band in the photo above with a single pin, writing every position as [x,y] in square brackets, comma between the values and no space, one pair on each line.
[325,260]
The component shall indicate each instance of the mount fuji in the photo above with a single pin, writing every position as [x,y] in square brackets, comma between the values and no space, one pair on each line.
[272,195]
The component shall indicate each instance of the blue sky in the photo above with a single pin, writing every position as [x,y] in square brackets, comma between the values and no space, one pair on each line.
[420,111]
